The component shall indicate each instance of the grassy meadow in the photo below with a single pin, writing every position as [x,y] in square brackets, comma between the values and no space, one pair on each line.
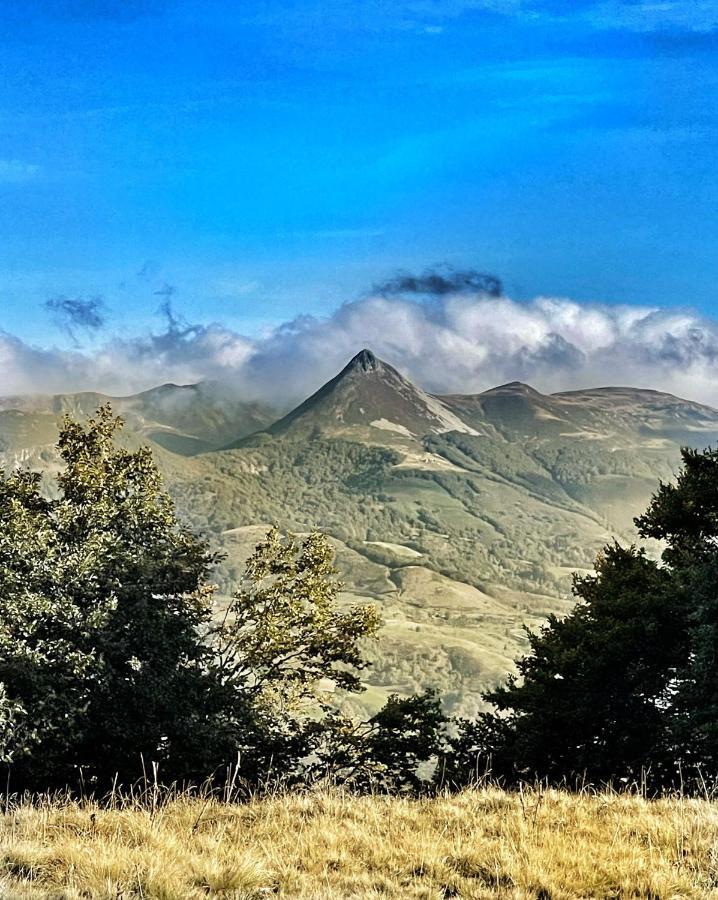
[482,843]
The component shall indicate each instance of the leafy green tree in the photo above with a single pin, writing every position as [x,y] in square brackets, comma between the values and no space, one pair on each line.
[396,750]
[288,644]
[284,631]
[102,597]
[626,684]
[111,661]
[684,515]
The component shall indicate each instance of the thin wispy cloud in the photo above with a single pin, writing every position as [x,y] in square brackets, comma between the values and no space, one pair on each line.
[96,10]
[621,15]
[341,234]
[682,15]
[148,270]
[432,15]
[76,314]
[167,291]
[630,15]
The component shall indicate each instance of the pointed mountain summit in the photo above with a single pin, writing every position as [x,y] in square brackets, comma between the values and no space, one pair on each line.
[368,397]
[364,360]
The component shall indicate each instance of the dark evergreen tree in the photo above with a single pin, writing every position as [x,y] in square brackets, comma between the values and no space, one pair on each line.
[684,515]
[626,686]
[592,699]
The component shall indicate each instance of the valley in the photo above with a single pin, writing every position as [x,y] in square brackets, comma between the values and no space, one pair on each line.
[462,517]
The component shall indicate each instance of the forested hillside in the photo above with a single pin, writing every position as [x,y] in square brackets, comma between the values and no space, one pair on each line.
[462,516]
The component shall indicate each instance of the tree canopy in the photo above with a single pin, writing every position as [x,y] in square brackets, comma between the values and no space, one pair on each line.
[624,688]
[102,596]
[112,655]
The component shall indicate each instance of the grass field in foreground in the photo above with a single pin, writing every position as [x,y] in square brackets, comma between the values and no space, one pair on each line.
[482,843]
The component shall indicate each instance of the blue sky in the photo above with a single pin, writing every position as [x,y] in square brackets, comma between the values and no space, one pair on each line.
[257,161]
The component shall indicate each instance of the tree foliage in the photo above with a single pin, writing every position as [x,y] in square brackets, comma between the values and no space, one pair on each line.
[111,657]
[102,593]
[286,644]
[283,632]
[684,515]
[388,751]
[625,686]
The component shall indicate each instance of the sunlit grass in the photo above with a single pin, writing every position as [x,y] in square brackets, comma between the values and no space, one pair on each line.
[326,844]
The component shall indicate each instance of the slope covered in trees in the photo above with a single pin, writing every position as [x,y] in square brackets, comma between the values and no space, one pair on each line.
[114,657]
[111,660]
[459,533]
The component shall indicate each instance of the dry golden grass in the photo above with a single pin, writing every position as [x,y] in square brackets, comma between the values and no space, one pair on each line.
[479,844]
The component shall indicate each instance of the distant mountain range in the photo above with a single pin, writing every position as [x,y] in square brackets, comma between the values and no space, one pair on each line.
[185,419]
[461,516]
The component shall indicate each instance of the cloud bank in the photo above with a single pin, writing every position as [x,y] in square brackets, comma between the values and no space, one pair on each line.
[460,342]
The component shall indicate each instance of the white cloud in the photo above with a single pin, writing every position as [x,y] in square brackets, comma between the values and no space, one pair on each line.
[454,343]
[124,365]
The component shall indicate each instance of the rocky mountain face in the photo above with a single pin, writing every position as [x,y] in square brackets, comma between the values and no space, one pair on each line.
[461,516]
[365,400]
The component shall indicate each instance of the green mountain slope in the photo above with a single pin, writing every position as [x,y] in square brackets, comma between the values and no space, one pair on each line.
[462,517]
[184,419]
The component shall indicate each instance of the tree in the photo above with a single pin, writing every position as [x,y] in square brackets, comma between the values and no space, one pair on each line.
[102,597]
[284,632]
[109,657]
[111,661]
[389,751]
[626,686]
[684,516]
[286,644]
[591,700]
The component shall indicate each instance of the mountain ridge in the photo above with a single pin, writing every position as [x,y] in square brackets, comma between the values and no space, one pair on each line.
[386,402]
[367,395]
[460,535]
[185,419]
[157,410]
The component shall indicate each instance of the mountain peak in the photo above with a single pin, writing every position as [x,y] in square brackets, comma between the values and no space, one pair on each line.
[364,361]
[369,394]
[515,387]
